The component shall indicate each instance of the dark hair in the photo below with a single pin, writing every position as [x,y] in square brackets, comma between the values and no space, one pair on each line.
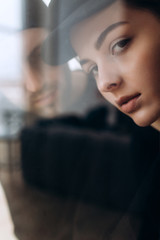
[151,5]
[64,14]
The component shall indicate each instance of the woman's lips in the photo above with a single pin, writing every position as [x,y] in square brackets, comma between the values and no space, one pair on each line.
[128,104]
[45,99]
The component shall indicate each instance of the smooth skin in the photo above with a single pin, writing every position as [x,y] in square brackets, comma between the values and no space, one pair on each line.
[50,89]
[41,80]
[120,46]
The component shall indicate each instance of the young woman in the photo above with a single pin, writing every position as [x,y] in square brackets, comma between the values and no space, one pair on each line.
[118,42]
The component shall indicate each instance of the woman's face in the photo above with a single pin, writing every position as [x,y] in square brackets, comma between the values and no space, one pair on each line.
[120,46]
[41,80]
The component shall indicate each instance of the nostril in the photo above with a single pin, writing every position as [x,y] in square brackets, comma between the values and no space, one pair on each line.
[112,85]
[108,85]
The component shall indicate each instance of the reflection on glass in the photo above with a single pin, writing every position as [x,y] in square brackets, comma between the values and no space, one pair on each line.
[51,90]
[80,170]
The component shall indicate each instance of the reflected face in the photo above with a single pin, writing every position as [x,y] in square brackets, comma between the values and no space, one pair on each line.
[41,80]
[120,46]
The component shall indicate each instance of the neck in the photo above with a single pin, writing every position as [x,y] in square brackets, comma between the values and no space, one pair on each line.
[156,125]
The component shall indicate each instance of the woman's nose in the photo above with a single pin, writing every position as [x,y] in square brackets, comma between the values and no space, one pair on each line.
[33,83]
[109,79]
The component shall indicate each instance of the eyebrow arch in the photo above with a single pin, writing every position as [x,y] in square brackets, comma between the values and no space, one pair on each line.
[104,34]
[33,53]
[102,37]
[83,61]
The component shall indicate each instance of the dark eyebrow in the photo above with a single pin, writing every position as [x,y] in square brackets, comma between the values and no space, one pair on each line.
[103,35]
[34,56]
[34,51]
[83,61]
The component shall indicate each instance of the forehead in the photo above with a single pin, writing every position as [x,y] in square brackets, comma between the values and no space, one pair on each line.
[32,38]
[86,32]
[114,13]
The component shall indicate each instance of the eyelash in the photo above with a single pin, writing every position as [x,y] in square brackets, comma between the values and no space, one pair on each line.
[91,71]
[123,43]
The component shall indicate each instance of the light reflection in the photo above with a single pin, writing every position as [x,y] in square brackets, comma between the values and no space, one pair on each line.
[11,80]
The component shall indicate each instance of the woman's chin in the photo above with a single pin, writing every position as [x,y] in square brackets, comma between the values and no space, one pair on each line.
[144,120]
[142,123]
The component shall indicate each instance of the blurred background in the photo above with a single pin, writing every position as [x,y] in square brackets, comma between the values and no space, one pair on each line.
[70,164]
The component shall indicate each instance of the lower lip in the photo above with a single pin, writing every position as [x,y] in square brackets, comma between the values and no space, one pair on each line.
[130,106]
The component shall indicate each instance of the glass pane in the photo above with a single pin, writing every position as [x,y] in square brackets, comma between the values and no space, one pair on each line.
[71,164]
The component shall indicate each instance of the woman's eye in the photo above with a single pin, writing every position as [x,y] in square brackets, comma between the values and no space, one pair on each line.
[94,71]
[120,46]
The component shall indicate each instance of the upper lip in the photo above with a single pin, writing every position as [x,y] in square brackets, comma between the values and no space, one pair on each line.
[41,95]
[125,99]
[42,98]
